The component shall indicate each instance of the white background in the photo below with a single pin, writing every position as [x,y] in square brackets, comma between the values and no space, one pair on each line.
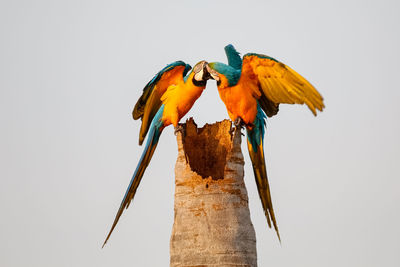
[71,71]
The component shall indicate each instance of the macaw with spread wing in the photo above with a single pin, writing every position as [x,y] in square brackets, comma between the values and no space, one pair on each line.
[252,89]
[165,100]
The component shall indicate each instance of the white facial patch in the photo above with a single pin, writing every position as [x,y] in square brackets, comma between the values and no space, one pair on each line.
[199,76]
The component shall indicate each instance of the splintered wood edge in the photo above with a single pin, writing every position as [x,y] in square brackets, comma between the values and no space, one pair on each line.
[207,149]
[191,123]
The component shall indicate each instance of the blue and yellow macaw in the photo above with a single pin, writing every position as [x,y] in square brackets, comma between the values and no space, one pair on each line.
[252,89]
[165,100]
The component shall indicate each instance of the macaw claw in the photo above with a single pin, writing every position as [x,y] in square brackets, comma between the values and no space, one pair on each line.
[238,123]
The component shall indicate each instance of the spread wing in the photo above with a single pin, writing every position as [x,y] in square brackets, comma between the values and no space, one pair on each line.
[278,83]
[149,103]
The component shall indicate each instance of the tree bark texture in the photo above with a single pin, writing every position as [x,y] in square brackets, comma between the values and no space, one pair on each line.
[212,225]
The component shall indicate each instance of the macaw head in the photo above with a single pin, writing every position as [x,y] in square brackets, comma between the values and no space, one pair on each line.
[224,75]
[199,74]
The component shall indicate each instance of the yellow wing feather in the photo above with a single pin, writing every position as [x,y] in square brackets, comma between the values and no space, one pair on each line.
[281,84]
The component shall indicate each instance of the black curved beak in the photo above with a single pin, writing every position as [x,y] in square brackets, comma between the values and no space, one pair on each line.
[206,74]
[212,73]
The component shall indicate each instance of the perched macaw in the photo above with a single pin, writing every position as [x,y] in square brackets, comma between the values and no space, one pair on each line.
[150,101]
[252,89]
[165,100]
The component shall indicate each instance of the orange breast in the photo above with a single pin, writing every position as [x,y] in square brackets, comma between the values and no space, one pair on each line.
[241,100]
[178,100]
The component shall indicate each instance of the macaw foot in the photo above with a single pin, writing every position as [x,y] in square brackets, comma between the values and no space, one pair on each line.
[180,129]
[239,124]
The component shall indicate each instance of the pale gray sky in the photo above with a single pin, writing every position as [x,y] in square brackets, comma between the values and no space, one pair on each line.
[71,71]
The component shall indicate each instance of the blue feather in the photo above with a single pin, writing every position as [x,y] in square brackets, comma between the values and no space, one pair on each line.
[256,135]
[233,75]
[186,73]
[156,128]
[234,59]
[187,68]
[167,68]
[152,140]
[255,143]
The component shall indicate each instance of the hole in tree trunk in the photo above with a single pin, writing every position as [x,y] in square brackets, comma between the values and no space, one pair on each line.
[207,148]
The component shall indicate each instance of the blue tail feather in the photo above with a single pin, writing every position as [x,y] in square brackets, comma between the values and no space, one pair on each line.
[255,144]
[156,129]
[256,135]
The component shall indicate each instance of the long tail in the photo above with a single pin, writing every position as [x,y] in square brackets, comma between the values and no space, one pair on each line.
[255,144]
[152,141]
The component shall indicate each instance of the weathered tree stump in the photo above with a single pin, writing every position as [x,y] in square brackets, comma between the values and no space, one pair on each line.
[212,225]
